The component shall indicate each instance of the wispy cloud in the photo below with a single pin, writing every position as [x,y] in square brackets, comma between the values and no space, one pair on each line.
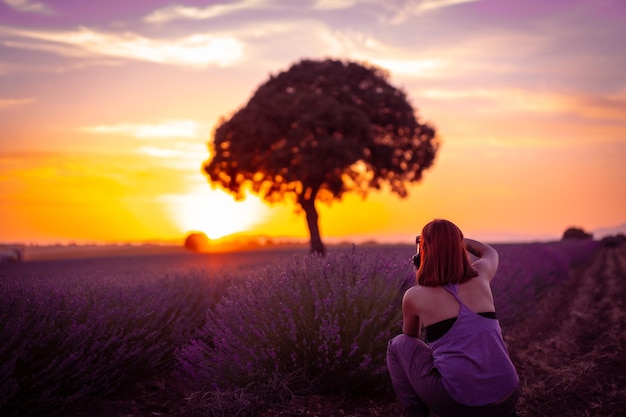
[29,6]
[54,48]
[165,130]
[159,152]
[419,7]
[47,165]
[197,50]
[8,103]
[183,157]
[593,107]
[426,5]
[610,108]
[335,4]
[360,46]
[175,12]
[413,68]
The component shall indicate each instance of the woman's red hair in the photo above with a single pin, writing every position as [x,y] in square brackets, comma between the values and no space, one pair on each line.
[444,259]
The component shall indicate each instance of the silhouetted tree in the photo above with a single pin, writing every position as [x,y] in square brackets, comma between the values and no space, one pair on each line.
[197,242]
[318,130]
[576,233]
[614,240]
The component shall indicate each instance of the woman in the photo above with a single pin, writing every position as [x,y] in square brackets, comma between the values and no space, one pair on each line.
[463,368]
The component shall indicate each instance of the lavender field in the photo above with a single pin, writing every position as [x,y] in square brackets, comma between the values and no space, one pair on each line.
[241,333]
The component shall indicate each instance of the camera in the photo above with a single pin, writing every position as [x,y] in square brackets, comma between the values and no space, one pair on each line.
[416,259]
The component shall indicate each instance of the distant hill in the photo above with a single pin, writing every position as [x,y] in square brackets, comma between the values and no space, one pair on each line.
[609,231]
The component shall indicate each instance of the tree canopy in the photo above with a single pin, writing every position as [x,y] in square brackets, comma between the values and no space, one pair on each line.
[576,233]
[319,130]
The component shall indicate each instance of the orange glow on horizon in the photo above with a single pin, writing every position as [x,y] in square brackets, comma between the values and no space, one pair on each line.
[58,198]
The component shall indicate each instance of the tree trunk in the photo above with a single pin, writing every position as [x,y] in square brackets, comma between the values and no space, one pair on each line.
[308,205]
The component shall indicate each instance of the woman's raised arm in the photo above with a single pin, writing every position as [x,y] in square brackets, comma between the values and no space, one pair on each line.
[487,263]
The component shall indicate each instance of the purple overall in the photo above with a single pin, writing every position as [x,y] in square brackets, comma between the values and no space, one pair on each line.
[467,372]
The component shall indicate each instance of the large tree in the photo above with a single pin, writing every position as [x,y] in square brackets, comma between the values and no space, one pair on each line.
[318,130]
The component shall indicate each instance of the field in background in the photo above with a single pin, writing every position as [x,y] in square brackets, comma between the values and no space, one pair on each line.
[552,320]
[59,252]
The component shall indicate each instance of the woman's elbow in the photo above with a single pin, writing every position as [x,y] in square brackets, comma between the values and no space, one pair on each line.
[411,328]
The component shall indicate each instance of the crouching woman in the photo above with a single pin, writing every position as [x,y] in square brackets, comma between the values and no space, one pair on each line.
[463,367]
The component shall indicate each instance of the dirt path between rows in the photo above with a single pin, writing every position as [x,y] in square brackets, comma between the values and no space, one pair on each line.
[571,355]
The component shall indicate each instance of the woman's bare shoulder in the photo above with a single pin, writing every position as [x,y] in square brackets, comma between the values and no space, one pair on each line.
[417,290]
[415,293]
[412,292]
[422,295]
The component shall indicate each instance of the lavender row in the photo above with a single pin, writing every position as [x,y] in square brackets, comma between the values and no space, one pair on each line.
[77,337]
[326,320]
[527,270]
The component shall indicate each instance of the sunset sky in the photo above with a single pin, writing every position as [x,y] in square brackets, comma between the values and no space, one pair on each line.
[106,109]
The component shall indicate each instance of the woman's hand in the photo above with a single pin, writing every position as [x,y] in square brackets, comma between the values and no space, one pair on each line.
[473,258]
[486,262]
[473,247]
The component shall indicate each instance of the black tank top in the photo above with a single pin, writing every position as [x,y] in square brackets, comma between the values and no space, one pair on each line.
[437,330]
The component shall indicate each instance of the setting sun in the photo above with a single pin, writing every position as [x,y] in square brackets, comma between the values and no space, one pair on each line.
[213,212]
